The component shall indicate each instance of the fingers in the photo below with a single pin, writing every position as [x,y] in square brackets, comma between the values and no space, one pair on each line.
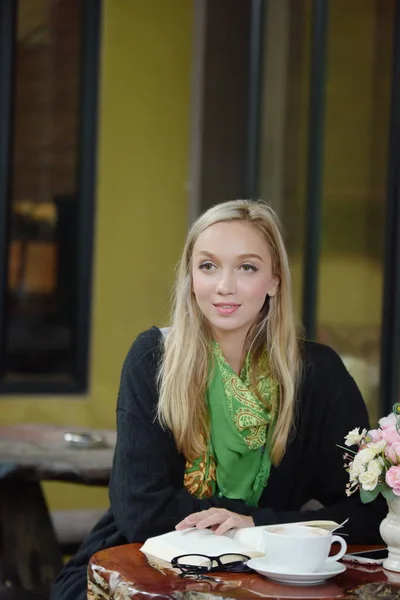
[185,524]
[229,523]
[218,520]
[210,520]
[235,521]
[196,519]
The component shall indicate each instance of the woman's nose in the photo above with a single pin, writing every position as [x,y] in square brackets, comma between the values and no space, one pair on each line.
[226,284]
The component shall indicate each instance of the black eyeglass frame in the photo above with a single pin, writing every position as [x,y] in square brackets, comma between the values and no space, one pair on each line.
[221,567]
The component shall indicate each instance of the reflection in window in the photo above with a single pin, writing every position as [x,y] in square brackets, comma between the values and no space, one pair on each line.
[359,77]
[41,304]
[284,123]
[356,127]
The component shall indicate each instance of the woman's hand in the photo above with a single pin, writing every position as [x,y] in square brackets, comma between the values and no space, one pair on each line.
[219,520]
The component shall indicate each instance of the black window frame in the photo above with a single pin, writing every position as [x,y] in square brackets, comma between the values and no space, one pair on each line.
[86,183]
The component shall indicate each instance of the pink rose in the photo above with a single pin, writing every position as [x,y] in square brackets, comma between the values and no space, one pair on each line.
[393,479]
[393,452]
[388,421]
[391,435]
[375,434]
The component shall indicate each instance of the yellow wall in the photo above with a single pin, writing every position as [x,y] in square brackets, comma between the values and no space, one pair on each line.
[141,207]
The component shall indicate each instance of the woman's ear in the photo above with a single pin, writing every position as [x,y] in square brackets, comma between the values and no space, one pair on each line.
[274,286]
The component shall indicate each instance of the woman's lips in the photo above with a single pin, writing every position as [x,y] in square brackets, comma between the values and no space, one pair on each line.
[226,308]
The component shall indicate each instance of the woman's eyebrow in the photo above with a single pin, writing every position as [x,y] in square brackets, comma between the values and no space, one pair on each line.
[240,257]
[244,256]
[206,253]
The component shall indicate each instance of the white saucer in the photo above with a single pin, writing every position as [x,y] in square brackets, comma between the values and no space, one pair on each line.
[327,570]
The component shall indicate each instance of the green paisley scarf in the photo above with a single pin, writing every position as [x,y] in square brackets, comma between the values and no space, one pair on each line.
[237,462]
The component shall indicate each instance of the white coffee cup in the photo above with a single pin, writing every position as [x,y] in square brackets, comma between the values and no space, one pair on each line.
[300,549]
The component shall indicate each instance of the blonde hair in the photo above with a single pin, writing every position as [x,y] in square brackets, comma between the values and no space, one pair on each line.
[183,371]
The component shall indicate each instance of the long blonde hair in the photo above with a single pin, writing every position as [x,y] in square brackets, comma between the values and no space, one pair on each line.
[183,371]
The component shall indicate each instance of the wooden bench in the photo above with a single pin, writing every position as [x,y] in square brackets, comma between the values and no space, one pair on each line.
[73,526]
[30,552]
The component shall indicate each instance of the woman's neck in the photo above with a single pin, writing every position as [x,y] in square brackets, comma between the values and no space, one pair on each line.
[233,349]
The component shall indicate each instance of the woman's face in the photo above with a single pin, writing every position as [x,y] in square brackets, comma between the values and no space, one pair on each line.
[232,275]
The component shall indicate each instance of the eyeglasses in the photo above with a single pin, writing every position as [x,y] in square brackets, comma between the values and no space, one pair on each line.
[199,564]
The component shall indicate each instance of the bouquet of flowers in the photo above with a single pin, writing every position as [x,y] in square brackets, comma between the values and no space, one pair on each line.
[375,466]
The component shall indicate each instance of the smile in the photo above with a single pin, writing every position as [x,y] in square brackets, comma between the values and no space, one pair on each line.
[226,309]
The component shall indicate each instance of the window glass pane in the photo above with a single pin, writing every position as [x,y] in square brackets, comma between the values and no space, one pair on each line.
[356,127]
[43,201]
[284,122]
[359,69]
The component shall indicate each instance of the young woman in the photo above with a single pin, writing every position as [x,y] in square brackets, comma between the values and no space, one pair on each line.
[228,418]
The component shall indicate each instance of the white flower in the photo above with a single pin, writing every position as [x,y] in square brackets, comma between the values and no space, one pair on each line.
[355,470]
[354,437]
[365,456]
[368,480]
[354,474]
[378,447]
[375,467]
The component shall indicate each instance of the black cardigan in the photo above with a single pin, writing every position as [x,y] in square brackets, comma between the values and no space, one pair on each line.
[146,490]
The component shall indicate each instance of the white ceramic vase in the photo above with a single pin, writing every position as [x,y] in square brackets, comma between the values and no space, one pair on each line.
[390,533]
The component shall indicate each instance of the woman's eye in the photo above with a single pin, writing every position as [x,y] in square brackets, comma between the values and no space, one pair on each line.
[207,266]
[247,268]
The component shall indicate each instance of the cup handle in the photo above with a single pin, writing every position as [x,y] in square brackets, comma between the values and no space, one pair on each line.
[342,551]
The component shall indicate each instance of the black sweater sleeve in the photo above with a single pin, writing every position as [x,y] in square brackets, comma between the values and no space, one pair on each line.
[333,407]
[146,487]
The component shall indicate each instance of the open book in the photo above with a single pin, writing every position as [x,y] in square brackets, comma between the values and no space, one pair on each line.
[248,541]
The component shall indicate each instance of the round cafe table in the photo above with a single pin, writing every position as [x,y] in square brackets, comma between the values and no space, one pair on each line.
[125,572]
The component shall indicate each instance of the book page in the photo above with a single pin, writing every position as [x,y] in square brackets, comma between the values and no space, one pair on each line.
[328,525]
[196,541]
